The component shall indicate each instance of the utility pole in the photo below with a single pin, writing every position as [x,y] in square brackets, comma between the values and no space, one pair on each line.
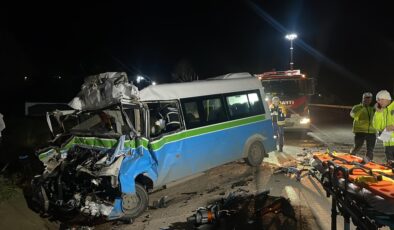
[291,37]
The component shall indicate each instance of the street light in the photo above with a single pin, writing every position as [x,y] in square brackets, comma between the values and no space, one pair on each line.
[291,37]
[141,78]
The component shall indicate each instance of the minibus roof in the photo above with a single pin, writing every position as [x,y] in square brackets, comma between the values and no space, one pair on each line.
[228,83]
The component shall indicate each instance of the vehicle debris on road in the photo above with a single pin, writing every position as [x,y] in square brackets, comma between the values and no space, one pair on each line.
[161,203]
[291,170]
[245,211]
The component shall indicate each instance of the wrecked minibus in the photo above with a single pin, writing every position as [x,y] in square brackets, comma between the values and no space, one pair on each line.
[120,143]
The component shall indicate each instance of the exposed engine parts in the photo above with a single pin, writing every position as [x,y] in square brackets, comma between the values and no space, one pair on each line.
[95,209]
[79,182]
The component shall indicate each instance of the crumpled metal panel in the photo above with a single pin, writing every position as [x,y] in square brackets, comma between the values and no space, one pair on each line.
[102,90]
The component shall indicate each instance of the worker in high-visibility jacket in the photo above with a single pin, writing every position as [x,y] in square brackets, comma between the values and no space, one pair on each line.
[363,129]
[278,115]
[383,121]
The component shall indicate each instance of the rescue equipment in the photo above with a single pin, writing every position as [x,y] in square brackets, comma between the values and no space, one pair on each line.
[361,191]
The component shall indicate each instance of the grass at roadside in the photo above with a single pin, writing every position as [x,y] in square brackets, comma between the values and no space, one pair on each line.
[8,188]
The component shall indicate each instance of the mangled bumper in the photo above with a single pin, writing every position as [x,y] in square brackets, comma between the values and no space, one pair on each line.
[83,182]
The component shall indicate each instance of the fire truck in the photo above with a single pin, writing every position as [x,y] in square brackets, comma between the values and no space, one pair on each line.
[294,90]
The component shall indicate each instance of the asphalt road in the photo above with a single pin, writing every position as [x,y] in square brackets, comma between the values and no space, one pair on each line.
[333,128]
[186,197]
[312,207]
[330,129]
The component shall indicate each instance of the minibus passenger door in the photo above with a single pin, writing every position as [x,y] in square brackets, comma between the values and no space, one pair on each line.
[165,140]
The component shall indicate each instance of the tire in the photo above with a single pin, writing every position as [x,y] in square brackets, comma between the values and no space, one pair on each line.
[143,201]
[256,154]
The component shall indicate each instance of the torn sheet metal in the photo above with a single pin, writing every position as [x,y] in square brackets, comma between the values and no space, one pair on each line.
[102,90]
[120,149]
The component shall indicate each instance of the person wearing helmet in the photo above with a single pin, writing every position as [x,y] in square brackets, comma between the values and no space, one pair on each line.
[278,115]
[363,129]
[383,120]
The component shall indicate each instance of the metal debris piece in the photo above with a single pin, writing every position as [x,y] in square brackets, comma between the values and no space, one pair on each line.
[291,170]
[161,203]
[245,211]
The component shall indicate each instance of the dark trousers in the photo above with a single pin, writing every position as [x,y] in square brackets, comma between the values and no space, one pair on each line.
[359,139]
[389,151]
[280,134]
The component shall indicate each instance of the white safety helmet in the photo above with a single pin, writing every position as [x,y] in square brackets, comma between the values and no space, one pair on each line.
[383,94]
[275,99]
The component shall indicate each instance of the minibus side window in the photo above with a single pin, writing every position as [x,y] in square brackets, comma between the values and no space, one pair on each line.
[238,105]
[255,104]
[214,110]
[192,115]
[164,118]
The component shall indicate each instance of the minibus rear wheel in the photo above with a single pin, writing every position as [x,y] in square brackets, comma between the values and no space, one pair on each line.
[255,154]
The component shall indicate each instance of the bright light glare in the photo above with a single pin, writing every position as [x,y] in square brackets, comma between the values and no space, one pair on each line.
[238,99]
[140,78]
[153,83]
[266,99]
[253,98]
[305,120]
[291,36]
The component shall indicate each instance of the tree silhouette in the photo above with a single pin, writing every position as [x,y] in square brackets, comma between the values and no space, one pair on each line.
[184,72]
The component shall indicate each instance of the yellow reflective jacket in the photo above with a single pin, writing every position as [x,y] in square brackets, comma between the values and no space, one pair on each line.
[362,119]
[384,118]
[278,114]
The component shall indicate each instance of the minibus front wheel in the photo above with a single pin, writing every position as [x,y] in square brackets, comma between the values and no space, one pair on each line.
[142,203]
[255,154]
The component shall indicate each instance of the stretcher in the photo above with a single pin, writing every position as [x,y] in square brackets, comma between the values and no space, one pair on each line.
[361,191]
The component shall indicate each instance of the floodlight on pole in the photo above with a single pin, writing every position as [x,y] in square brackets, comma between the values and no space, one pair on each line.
[140,78]
[291,37]
[145,78]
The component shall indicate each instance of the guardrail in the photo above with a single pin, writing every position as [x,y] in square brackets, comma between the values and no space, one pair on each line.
[332,106]
[326,113]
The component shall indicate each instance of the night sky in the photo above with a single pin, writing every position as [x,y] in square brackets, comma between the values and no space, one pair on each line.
[347,45]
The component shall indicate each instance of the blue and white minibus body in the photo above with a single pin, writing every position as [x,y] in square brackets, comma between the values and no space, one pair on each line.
[172,131]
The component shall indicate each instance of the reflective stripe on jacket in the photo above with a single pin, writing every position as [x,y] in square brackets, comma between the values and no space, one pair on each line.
[383,119]
[363,118]
[278,114]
